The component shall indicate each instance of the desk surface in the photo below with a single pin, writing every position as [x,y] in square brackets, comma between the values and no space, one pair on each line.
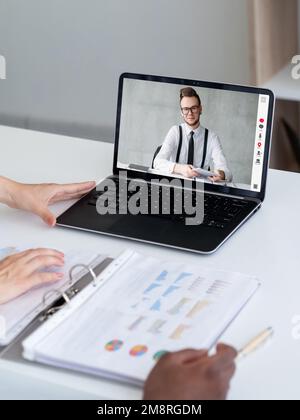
[266,246]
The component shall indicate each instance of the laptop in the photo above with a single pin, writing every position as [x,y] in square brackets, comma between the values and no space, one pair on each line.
[190,163]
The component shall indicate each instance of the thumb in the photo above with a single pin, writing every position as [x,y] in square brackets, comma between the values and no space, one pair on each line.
[222,348]
[46,215]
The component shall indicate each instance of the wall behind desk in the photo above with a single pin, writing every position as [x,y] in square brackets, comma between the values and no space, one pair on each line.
[64,57]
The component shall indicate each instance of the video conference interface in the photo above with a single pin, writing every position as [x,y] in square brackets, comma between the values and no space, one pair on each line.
[211,135]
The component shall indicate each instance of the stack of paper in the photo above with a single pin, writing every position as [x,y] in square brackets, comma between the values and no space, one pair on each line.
[141,308]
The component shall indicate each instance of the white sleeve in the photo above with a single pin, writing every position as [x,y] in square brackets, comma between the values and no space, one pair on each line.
[219,159]
[165,159]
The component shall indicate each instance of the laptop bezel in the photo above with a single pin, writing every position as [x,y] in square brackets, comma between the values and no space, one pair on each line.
[198,83]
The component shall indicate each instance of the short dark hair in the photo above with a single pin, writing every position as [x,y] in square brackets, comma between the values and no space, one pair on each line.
[189,92]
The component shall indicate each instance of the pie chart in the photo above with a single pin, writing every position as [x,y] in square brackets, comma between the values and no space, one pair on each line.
[113,345]
[138,350]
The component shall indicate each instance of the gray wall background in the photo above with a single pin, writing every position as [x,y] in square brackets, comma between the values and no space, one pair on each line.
[150,109]
[64,57]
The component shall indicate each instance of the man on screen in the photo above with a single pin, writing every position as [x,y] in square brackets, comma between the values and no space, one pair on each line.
[200,148]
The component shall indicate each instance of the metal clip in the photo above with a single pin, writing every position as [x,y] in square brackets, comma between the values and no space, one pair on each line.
[53,309]
[87,267]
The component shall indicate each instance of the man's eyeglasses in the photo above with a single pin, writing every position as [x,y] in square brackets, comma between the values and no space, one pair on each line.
[193,110]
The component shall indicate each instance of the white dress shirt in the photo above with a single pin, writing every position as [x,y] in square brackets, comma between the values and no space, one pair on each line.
[215,158]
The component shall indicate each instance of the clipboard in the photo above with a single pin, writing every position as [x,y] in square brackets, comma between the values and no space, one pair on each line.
[13,351]
[204,173]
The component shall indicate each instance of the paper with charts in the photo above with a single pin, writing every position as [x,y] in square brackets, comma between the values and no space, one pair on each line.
[141,309]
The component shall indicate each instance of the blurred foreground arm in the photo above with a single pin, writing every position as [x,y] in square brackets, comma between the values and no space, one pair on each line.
[192,375]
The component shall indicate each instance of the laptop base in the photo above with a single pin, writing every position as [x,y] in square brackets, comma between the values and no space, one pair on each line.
[154,229]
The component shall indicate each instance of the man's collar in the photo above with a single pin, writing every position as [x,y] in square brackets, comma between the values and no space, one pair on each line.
[188,129]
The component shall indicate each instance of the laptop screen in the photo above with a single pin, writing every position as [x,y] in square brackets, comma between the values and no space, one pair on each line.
[202,131]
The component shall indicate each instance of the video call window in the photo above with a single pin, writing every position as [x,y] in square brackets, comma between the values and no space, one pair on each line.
[222,132]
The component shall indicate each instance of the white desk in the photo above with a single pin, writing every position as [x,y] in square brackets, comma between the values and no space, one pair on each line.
[267,246]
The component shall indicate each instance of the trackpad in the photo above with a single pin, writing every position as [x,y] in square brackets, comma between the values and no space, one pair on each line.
[141,227]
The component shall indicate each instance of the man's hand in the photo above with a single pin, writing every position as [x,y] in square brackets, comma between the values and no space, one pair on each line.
[220,176]
[192,375]
[20,272]
[187,171]
[37,197]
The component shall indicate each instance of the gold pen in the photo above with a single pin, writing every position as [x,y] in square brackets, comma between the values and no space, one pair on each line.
[256,342]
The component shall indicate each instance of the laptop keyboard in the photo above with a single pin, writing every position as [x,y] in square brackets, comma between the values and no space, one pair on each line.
[218,210]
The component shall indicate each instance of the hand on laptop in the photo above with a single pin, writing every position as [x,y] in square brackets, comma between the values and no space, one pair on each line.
[185,170]
[37,197]
[20,272]
[192,375]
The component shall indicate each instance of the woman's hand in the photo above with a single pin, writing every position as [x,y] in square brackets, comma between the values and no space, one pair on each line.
[20,272]
[37,197]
